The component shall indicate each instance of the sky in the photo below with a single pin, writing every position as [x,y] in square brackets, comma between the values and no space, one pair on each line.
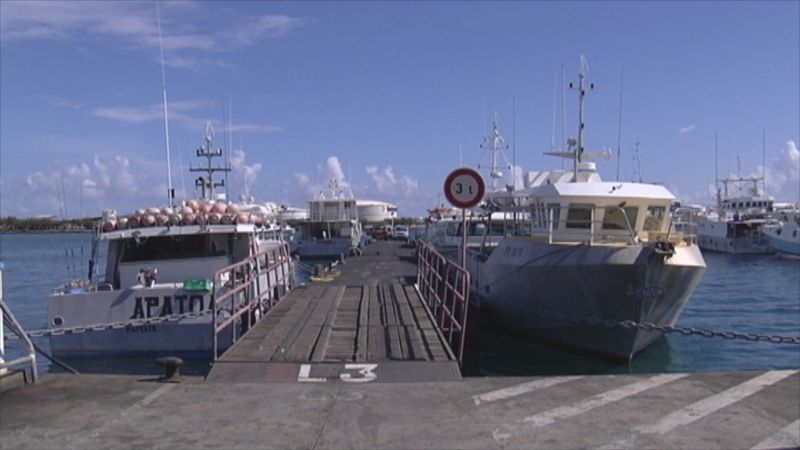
[386,97]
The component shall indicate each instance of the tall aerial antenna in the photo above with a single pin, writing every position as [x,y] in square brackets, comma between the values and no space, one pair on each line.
[170,191]
[514,143]
[495,145]
[764,158]
[619,121]
[563,110]
[716,167]
[555,106]
[230,141]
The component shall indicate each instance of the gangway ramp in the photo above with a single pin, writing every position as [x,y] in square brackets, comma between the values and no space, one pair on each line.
[364,326]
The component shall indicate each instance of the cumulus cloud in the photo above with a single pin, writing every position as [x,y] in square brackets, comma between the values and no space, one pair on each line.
[783,175]
[86,188]
[385,182]
[686,129]
[247,174]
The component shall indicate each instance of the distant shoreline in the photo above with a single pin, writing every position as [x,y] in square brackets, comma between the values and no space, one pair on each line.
[53,231]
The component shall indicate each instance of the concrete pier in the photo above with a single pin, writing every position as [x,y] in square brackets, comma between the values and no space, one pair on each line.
[695,411]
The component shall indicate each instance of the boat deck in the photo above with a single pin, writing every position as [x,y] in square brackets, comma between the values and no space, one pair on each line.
[367,323]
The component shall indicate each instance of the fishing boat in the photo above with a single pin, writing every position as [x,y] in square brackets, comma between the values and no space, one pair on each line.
[737,223]
[333,229]
[588,258]
[784,236]
[157,278]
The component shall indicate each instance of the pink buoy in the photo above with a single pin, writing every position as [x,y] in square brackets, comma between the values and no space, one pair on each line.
[243,218]
[168,211]
[189,218]
[214,218]
[186,210]
[162,219]
[140,212]
[206,208]
[194,205]
[232,209]
[153,211]
[148,220]
[202,219]
[133,221]
[220,208]
[227,219]
[109,225]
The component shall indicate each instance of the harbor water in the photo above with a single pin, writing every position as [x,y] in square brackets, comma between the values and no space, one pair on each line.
[744,294]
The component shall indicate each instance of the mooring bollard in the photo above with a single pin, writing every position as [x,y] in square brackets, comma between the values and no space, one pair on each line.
[172,366]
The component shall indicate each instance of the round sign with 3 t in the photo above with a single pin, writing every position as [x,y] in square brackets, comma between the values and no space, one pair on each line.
[464,188]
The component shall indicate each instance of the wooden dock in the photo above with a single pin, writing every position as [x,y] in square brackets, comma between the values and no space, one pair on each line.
[368,323]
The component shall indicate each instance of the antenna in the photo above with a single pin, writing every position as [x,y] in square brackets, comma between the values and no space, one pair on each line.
[514,142]
[583,72]
[716,167]
[230,142]
[563,110]
[207,184]
[555,105]
[764,159]
[170,191]
[638,158]
[619,121]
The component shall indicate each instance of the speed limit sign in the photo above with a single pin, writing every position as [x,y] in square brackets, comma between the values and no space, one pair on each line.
[464,188]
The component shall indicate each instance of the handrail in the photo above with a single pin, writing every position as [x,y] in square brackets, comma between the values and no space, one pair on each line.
[244,292]
[444,287]
[7,318]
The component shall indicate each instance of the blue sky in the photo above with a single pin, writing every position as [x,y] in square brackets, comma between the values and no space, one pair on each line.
[387,97]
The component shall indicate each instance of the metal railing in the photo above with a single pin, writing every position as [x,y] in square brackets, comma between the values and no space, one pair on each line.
[244,292]
[444,287]
[28,360]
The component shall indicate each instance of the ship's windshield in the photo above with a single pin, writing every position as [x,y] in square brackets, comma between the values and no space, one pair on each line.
[175,247]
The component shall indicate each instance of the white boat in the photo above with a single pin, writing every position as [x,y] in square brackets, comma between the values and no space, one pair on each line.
[590,256]
[292,214]
[737,223]
[333,229]
[784,236]
[160,277]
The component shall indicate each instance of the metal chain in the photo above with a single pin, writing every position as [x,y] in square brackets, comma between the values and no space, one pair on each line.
[113,325]
[686,331]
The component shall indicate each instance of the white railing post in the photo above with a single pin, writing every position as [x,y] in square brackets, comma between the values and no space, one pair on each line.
[591,227]
[550,227]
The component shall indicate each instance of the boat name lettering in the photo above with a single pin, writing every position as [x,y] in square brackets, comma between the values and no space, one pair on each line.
[513,251]
[645,292]
[153,306]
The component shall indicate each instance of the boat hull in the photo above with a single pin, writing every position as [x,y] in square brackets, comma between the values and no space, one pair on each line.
[783,246]
[576,295]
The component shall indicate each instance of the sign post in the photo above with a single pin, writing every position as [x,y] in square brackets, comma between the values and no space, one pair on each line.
[464,188]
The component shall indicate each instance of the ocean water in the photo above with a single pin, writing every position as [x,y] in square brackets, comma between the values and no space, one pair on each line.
[746,294]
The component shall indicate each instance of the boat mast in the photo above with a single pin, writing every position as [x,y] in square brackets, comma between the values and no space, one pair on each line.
[495,144]
[583,72]
[207,183]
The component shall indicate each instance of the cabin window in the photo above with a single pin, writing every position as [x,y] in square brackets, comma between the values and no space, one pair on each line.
[556,208]
[477,229]
[654,217]
[497,229]
[579,216]
[174,247]
[615,219]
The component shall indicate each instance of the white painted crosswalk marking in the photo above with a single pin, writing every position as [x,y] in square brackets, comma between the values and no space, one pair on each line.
[563,412]
[520,389]
[787,437]
[704,407]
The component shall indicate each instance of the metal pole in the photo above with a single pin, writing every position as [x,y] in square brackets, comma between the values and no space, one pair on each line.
[463,238]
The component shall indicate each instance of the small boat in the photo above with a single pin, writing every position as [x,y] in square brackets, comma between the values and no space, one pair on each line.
[585,256]
[784,236]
